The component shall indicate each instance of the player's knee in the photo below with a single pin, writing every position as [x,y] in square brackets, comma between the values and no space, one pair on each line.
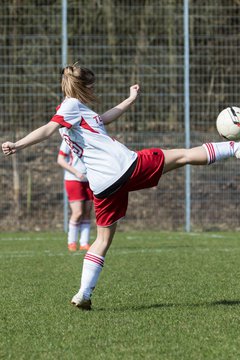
[77,215]
[186,157]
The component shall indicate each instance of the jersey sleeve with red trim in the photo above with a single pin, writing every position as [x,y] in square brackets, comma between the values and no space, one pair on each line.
[67,113]
[62,153]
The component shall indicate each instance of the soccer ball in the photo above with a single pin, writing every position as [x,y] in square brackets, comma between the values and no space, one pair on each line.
[228,123]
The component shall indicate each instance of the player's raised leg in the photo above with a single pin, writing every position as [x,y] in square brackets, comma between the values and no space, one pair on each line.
[201,155]
[92,266]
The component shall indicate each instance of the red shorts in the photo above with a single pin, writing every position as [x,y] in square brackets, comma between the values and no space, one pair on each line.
[78,190]
[150,163]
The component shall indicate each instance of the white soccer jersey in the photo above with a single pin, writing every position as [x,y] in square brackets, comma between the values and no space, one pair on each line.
[74,161]
[105,158]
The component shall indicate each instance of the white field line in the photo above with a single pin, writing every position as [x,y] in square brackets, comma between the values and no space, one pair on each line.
[128,237]
[20,254]
[25,239]
[48,253]
[34,238]
[168,235]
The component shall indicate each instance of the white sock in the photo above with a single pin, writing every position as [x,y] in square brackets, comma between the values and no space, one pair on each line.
[92,267]
[222,150]
[85,232]
[73,231]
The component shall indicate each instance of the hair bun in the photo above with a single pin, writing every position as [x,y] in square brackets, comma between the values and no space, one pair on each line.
[68,70]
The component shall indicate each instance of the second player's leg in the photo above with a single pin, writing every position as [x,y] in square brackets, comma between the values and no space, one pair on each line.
[88,204]
[74,224]
[85,225]
[77,208]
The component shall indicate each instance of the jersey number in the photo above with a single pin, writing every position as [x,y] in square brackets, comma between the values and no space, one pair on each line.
[75,148]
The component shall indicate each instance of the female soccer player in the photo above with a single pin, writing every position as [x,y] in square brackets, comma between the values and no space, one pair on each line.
[79,197]
[113,170]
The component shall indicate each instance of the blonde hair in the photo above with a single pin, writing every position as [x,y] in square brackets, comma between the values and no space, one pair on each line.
[76,81]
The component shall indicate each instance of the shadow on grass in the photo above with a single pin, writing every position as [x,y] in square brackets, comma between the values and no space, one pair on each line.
[223,302]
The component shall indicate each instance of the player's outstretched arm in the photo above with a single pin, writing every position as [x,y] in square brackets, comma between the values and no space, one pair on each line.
[36,136]
[118,110]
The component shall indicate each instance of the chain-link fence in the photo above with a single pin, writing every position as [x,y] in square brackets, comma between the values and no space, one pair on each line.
[123,42]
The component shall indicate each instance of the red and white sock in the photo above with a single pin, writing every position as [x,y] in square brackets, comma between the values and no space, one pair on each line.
[73,231]
[222,150]
[92,267]
[85,227]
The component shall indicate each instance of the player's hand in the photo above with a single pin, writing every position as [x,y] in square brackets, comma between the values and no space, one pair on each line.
[80,176]
[134,91]
[8,148]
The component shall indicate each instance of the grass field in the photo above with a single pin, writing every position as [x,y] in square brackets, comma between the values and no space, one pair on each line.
[160,296]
